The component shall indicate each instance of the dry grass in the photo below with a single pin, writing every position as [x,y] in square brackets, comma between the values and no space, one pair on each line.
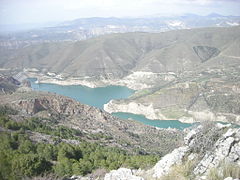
[184,172]
[224,170]
[181,172]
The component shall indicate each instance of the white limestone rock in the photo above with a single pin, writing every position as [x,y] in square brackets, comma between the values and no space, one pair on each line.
[164,165]
[122,174]
[230,178]
[190,136]
[74,177]
[226,148]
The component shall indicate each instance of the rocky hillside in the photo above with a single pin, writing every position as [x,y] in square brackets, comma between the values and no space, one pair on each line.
[209,152]
[8,84]
[209,90]
[214,95]
[63,111]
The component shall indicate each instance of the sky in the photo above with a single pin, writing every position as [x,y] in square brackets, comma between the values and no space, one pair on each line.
[41,11]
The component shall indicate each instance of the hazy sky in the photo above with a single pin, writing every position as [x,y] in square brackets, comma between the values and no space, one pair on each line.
[38,11]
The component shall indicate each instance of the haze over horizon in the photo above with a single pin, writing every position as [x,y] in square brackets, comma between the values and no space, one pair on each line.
[33,11]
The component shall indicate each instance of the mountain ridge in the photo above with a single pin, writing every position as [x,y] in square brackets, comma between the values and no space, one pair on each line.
[119,54]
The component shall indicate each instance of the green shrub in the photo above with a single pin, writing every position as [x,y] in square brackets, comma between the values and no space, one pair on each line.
[4,109]
[20,157]
[29,165]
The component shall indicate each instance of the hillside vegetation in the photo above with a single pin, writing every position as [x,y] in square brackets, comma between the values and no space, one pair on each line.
[21,157]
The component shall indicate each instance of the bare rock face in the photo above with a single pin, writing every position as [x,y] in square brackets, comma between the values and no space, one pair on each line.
[227,148]
[122,174]
[56,104]
[33,106]
[164,165]
[8,84]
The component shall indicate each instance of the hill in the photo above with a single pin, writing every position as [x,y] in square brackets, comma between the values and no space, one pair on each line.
[118,55]
[43,133]
[17,36]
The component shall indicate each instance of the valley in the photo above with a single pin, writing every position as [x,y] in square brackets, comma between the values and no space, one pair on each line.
[198,64]
[98,97]
[110,102]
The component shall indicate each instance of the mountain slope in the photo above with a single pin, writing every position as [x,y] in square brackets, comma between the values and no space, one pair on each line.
[117,55]
[96,125]
[14,37]
[186,75]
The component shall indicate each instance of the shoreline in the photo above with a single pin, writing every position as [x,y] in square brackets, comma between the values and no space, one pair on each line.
[155,114]
[94,84]
[135,108]
[136,80]
[138,109]
[90,84]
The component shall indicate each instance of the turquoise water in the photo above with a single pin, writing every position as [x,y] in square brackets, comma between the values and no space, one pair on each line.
[156,123]
[96,97]
[99,96]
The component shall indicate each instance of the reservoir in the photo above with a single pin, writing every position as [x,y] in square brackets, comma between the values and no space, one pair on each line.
[97,97]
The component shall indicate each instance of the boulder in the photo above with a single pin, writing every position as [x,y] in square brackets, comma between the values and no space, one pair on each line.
[122,174]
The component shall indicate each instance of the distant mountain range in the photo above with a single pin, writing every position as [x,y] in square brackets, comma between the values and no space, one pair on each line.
[85,28]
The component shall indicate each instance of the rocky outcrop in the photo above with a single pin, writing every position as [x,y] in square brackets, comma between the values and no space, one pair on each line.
[227,148]
[8,84]
[57,104]
[122,174]
[164,165]
[224,149]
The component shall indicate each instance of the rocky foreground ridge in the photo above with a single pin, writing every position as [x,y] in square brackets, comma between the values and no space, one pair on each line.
[207,153]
